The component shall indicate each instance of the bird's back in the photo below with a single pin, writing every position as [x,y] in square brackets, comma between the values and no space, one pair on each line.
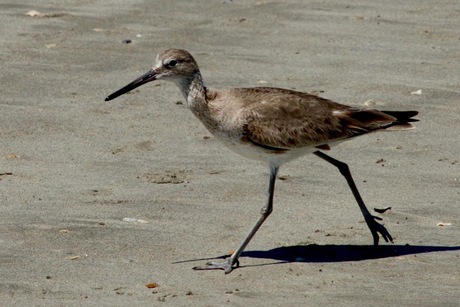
[287,119]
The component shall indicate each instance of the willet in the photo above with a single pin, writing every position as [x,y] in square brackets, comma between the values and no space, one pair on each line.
[273,125]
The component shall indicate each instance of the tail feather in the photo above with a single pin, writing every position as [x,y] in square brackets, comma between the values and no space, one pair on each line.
[403,116]
[403,120]
[360,121]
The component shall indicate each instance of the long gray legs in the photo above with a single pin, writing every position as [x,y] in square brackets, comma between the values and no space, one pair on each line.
[232,262]
[374,227]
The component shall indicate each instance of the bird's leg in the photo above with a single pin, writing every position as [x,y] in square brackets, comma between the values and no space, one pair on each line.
[373,225]
[232,262]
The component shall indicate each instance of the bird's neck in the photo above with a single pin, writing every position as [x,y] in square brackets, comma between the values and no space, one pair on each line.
[194,93]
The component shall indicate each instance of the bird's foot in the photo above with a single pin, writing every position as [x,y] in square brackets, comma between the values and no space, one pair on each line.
[227,265]
[377,228]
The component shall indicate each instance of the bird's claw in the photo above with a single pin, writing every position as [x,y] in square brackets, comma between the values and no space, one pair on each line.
[377,228]
[227,265]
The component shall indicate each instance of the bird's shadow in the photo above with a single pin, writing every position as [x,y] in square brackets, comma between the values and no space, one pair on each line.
[340,253]
[334,253]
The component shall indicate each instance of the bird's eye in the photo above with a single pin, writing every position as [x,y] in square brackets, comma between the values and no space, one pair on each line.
[172,63]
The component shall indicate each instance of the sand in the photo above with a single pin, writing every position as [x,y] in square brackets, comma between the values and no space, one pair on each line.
[100,200]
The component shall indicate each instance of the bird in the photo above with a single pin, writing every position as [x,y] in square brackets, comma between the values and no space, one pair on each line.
[272,125]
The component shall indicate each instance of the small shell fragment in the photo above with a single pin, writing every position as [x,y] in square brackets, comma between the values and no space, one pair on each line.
[129,219]
[73,257]
[442,224]
[370,103]
[34,14]
[134,220]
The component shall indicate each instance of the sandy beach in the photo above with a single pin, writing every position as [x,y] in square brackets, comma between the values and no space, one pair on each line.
[113,203]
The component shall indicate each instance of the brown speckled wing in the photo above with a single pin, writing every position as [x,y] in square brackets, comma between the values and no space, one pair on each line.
[285,119]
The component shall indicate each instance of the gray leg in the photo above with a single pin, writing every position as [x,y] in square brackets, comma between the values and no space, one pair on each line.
[229,264]
[374,227]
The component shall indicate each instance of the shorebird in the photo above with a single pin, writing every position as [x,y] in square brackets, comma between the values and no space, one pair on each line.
[273,125]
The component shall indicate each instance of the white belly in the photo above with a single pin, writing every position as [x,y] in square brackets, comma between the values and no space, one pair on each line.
[254,152]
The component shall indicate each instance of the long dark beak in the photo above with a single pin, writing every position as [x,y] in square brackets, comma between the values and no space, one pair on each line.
[147,77]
